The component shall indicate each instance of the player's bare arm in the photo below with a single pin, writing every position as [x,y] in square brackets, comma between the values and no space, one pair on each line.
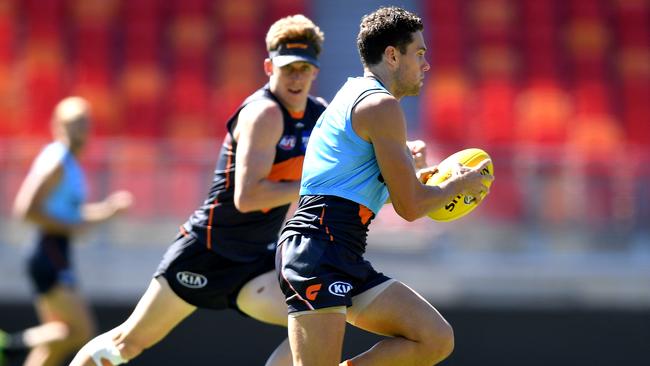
[418,151]
[379,120]
[31,198]
[258,130]
[38,185]
[116,203]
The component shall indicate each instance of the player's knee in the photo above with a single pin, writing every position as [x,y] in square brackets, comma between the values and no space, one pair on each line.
[438,342]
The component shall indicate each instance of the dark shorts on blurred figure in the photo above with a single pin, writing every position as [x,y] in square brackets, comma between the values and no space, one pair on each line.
[317,274]
[205,279]
[49,265]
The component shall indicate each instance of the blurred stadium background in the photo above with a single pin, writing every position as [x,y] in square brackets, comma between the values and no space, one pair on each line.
[553,269]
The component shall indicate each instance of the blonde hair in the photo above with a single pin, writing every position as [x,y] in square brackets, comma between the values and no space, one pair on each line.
[71,109]
[294,28]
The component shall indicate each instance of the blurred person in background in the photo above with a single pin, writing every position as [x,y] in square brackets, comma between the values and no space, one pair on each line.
[223,256]
[358,156]
[53,198]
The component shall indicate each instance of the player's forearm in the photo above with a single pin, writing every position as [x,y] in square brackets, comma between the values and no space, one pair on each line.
[422,200]
[97,212]
[266,194]
[436,198]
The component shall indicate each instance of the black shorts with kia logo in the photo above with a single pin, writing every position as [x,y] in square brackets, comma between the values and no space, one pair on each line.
[319,259]
[316,274]
[205,279]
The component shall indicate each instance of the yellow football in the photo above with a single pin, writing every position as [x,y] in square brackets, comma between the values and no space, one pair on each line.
[461,205]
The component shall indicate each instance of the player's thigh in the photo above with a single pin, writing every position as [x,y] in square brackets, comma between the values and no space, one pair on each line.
[317,338]
[158,312]
[64,304]
[262,299]
[400,311]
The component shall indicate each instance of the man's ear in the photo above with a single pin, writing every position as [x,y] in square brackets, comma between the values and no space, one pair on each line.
[390,55]
[268,67]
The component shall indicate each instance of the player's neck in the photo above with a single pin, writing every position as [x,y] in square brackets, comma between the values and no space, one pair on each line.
[384,77]
[73,148]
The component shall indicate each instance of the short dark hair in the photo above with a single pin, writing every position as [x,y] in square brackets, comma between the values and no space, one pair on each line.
[387,26]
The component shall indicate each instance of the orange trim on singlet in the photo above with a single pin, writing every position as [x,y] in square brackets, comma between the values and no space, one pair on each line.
[364,214]
[327,229]
[228,170]
[209,226]
[288,170]
[183,231]
[297,114]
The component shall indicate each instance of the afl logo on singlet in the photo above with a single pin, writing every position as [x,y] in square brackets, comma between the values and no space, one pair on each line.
[191,280]
[339,288]
[287,142]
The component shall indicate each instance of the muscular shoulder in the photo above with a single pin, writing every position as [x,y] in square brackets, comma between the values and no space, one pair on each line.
[377,103]
[49,160]
[261,110]
[377,111]
[264,115]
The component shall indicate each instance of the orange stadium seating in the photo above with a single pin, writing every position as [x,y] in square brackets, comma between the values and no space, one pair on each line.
[507,75]
[156,72]
[571,75]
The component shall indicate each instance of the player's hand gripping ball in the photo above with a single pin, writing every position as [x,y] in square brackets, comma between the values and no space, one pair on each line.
[461,205]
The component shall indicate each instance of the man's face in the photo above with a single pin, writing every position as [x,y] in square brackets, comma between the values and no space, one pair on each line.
[291,83]
[412,66]
[76,131]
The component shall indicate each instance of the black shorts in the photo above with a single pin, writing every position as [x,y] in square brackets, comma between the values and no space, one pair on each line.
[317,274]
[205,279]
[49,264]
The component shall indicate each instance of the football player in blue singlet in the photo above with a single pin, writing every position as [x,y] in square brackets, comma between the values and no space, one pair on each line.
[53,198]
[357,158]
[223,256]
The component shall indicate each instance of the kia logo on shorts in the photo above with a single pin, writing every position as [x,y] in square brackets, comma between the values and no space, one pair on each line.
[191,280]
[339,288]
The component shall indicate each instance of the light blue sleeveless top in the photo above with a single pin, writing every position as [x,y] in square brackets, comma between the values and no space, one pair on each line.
[338,162]
[65,200]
